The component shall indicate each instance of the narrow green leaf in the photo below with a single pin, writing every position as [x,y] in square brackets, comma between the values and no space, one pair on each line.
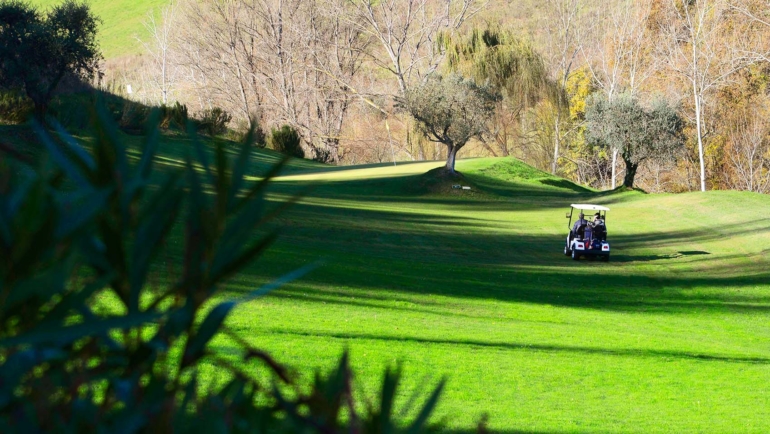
[156,223]
[206,331]
[390,382]
[224,267]
[74,146]
[43,285]
[194,227]
[150,146]
[81,215]
[419,423]
[73,302]
[283,280]
[65,335]
[260,186]
[239,172]
[200,152]
[62,161]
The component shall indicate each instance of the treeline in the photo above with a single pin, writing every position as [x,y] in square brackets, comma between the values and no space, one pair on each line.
[339,72]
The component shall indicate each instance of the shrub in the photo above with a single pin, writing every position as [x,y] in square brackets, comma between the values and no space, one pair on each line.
[213,121]
[286,141]
[133,116]
[14,107]
[86,345]
[174,116]
[250,130]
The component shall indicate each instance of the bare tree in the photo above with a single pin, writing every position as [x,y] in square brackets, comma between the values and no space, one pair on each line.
[163,73]
[334,57]
[292,61]
[215,56]
[754,39]
[749,155]
[699,50]
[620,61]
[561,21]
[408,32]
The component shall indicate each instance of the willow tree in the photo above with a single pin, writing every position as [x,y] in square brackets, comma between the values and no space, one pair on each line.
[450,110]
[510,65]
[636,132]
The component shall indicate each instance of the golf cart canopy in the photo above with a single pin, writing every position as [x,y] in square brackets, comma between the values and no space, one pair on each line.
[584,206]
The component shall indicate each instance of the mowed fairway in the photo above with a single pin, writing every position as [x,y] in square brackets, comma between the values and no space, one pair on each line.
[673,335]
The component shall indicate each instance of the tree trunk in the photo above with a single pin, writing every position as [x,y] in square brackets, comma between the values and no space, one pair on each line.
[698,122]
[451,156]
[614,165]
[628,180]
[556,140]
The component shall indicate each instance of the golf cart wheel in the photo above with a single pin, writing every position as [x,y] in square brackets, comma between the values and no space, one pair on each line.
[567,251]
[575,255]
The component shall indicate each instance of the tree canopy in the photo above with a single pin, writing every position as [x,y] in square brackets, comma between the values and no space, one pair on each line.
[636,132]
[512,66]
[37,50]
[451,110]
[506,61]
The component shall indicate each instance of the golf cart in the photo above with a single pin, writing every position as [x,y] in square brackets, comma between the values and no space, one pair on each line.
[587,239]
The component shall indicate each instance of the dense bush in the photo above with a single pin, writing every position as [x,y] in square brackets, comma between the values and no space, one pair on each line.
[322,155]
[15,108]
[213,121]
[88,345]
[38,50]
[133,116]
[286,141]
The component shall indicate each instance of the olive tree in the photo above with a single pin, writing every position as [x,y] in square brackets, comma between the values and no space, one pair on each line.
[38,50]
[451,110]
[636,132]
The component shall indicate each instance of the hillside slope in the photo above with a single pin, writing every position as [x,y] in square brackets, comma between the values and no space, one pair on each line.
[122,22]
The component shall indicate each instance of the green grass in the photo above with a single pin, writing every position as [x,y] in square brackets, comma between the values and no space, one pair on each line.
[122,22]
[672,335]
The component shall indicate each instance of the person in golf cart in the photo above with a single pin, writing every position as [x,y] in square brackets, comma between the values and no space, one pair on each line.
[599,230]
[578,229]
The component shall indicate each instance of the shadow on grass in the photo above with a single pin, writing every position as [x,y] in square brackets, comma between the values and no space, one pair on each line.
[395,249]
[648,258]
[405,189]
[666,354]
[386,251]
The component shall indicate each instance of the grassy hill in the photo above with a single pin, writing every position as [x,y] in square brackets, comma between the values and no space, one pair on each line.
[122,21]
[671,336]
